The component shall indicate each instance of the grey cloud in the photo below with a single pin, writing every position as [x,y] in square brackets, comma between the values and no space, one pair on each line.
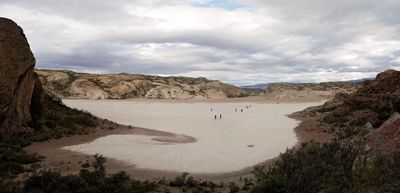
[266,41]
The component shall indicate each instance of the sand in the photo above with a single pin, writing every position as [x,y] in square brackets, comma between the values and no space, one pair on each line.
[201,145]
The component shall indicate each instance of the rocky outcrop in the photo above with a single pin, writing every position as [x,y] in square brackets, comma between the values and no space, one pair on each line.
[68,84]
[309,90]
[24,104]
[373,103]
[373,110]
[18,82]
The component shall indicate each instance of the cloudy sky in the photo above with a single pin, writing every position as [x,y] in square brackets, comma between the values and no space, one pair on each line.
[236,41]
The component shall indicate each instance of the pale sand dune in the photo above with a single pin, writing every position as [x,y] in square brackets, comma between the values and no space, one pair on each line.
[237,141]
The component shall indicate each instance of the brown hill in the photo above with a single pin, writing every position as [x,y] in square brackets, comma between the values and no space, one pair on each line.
[309,90]
[373,110]
[68,84]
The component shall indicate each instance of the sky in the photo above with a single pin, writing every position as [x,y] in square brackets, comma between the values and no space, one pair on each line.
[242,42]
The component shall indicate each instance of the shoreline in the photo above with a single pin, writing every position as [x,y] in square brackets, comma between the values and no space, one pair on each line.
[250,99]
[69,162]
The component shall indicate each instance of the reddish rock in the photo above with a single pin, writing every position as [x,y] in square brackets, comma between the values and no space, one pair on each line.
[391,135]
[384,75]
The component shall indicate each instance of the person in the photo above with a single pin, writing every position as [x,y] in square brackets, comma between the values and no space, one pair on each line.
[235,109]
[211,109]
[220,116]
[215,117]
[241,110]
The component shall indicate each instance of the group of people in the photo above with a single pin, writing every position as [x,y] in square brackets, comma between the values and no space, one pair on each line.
[220,116]
[236,110]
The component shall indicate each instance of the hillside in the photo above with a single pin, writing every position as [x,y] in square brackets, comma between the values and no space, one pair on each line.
[375,107]
[362,154]
[307,90]
[68,84]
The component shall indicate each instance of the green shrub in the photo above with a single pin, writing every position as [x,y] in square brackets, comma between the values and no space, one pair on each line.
[49,181]
[329,168]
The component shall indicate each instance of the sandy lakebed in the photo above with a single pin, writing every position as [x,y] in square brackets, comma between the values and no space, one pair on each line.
[182,136]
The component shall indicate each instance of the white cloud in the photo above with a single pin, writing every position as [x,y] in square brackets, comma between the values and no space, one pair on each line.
[242,42]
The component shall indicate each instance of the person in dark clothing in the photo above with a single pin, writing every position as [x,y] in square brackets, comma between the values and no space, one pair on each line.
[220,116]
[241,110]
[215,117]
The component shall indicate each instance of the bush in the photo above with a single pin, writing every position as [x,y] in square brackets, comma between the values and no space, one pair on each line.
[233,188]
[49,181]
[308,170]
[329,168]
[85,165]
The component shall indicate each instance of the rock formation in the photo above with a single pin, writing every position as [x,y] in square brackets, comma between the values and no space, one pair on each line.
[24,104]
[68,84]
[374,107]
[18,82]
[309,90]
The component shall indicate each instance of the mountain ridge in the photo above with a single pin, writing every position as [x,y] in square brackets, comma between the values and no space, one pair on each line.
[69,84]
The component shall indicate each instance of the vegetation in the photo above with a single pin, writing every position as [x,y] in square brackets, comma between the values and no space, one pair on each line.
[338,166]
[95,181]
[54,120]
[57,120]
[51,120]
[329,168]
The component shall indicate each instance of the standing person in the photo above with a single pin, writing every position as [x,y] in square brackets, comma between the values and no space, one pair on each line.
[235,109]
[241,110]
[215,117]
[220,116]
[211,109]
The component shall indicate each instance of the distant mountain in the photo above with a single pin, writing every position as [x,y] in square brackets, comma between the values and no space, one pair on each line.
[257,86]
[360,80]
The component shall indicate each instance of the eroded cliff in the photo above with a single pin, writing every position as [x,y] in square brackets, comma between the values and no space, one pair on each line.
[68,84]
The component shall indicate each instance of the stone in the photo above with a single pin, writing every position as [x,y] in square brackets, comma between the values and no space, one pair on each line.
[17,78]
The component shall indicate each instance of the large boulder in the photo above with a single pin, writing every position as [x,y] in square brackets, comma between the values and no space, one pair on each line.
[17,79]
[386,74]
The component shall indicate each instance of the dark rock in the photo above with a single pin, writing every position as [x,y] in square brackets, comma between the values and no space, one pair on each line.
[17,79]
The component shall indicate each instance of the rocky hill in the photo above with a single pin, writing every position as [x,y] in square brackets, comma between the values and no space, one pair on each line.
[374,108]
[361,154]
[68,84]
[307,90]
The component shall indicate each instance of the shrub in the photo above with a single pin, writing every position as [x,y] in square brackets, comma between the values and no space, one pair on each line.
[49,181]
